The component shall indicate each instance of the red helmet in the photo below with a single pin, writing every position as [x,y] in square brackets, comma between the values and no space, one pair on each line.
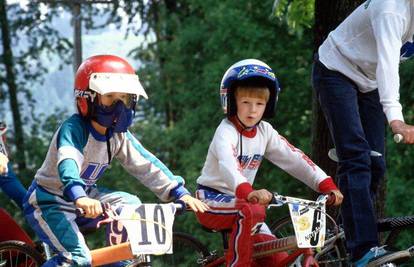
[104,74]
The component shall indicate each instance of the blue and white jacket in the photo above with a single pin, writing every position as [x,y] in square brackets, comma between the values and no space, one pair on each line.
[78,157]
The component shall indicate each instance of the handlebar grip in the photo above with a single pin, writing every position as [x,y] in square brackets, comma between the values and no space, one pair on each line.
[180,207]
[398,138]
[80,212]
[331,199]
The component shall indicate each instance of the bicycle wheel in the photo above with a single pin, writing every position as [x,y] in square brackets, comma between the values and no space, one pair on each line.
[336,256]
[187,251]
[19,254]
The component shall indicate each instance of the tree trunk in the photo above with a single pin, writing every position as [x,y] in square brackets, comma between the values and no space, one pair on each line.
[328,15]
[77,36]
[11,84]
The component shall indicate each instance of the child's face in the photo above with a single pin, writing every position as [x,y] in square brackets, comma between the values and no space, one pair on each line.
[250,109]
[111,98]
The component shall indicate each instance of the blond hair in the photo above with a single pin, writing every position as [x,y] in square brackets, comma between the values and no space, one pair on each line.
[255,92]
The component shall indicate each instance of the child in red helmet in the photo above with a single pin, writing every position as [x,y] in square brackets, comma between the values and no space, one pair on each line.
[106,90]
[249,91]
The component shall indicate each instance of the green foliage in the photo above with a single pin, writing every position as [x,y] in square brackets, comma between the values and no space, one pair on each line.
[183,69]
[298,15]
[400,159]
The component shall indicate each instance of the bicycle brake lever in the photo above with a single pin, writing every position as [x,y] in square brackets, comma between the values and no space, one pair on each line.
[275,202]
[322,199]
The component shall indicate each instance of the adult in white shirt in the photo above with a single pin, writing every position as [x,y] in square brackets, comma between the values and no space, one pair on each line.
[356,80]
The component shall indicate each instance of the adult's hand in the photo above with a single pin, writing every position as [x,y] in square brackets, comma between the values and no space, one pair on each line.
[3,163]
[406,130]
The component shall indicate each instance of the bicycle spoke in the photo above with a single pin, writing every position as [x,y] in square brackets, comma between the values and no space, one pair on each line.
[19,254]
[187,252]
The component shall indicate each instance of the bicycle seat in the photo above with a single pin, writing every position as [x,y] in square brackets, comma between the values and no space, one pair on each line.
[224,235]
[389,224]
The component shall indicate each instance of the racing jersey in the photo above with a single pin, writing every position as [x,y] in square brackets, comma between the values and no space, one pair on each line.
[78,156]
[231,165]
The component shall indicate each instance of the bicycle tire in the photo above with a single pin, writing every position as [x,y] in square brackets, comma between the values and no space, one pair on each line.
[396,226]
[335,257]
[187,251]
[17,253]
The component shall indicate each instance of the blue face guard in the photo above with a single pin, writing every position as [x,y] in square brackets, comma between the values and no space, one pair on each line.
[117,116]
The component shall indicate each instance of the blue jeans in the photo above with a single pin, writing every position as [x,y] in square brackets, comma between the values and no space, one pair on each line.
[357,126]
[11,185]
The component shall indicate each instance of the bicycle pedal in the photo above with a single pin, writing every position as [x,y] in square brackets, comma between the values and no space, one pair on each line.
[141,260]
[210,258]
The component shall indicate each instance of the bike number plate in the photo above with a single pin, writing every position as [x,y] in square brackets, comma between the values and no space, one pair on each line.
[309,223]
[149,227]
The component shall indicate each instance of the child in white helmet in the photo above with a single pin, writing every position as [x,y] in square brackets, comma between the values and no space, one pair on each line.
[107,90]
[249,91]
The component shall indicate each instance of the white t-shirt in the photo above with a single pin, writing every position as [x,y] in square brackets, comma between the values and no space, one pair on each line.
[368,45]
[223,172]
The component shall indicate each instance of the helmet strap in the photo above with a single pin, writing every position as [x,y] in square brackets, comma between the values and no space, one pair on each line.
[108,144]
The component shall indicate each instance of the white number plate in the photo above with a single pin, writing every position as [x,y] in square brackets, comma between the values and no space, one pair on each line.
[149,227]
[309,223]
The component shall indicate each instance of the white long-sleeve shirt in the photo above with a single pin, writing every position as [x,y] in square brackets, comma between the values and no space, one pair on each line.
[367,48]
[223,172]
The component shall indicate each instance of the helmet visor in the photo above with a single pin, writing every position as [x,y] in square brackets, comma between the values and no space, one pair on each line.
[105,83]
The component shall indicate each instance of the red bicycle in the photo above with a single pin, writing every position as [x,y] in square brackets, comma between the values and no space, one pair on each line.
[18,249]
[308,217]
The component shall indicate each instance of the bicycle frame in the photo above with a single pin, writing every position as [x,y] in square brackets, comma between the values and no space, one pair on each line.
[118,252]
[289,243]
[330,243]
[14,231]
[99,256]
[279,245]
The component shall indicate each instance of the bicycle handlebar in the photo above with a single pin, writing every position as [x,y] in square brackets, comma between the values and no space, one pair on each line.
[398,138]
[179,205]
[280,200]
